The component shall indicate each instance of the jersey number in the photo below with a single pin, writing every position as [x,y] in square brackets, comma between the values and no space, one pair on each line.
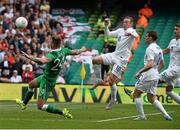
[58,64]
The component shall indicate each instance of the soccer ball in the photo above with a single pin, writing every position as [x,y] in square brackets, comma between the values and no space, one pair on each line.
[21,22]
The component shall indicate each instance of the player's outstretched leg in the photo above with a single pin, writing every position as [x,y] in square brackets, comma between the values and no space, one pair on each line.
[67,114]
[51,109]
[113,99]
[21,104]
[139,107]
[128,92]
[96,84]
[159,106]
[28,96]
[110,104]
[41,104]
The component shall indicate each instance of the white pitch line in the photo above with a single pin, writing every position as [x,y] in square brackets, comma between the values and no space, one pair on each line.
[128,117]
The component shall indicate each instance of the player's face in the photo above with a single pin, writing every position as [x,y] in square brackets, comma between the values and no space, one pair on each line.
[148,38]
[127,23]
[177,31]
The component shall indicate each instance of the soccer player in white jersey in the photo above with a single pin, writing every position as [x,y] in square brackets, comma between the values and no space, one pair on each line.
[148,77]
[119,58]
[172,72]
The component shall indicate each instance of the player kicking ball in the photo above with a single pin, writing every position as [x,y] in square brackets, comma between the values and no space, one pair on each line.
[148,78]
[47,81]
[117,59]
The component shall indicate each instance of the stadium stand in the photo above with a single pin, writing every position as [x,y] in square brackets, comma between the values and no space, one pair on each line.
[163,23]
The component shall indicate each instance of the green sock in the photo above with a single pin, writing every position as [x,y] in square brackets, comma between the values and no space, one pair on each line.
[52,109]
[28,96]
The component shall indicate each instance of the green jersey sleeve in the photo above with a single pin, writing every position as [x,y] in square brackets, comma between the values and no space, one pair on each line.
[50,56]
[66,51]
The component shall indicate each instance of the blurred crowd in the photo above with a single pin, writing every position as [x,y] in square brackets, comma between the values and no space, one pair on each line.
[34,40]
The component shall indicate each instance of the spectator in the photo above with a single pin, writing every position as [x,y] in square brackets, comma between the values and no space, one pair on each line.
[142,21]
[5,66]
[100,22]
[11,31]
[11,59]
[39,68]
[146,11]
[15,77]
[27,64]
[3,44]
[18,65]
[27,75]
[5,73]
[16,42]
[2,53]
[45,45]
[45,6]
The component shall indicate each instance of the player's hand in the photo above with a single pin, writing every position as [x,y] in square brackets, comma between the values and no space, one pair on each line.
[83,49]
[127,34]
[25,54]
[137,75]
[124,69]
[106,21]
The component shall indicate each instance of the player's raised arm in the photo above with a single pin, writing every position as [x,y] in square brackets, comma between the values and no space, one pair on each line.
[78,51]
[106,30]
[43,60]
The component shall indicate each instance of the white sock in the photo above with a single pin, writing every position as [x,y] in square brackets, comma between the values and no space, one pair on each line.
[174,95]
[159,106]
[139,107]
[44,107]
[114,90]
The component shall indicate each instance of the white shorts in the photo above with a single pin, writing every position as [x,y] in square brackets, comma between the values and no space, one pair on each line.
[147,86]
[117,63]
[169,75]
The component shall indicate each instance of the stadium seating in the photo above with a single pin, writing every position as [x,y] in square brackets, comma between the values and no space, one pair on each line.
[73,73]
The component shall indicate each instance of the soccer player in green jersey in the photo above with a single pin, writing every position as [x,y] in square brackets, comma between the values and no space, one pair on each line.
[46,82]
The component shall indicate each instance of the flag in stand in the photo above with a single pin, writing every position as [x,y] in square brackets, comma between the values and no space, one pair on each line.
[83,75]
[83,72]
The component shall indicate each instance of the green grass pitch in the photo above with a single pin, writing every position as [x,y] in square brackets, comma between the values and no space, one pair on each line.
[86,116]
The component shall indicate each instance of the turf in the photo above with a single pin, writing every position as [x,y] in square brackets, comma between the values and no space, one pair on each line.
[86,116]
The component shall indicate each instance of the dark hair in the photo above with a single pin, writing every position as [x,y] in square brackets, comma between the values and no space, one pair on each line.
[56,23]
[152,34]
[129,17]
[177,25]
[56,39]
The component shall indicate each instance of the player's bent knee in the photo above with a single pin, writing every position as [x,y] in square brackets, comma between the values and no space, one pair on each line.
[111,83]
[169,89]
[97,60]
[150,100]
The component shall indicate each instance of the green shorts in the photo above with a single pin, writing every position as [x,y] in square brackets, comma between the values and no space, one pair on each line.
[45,87]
